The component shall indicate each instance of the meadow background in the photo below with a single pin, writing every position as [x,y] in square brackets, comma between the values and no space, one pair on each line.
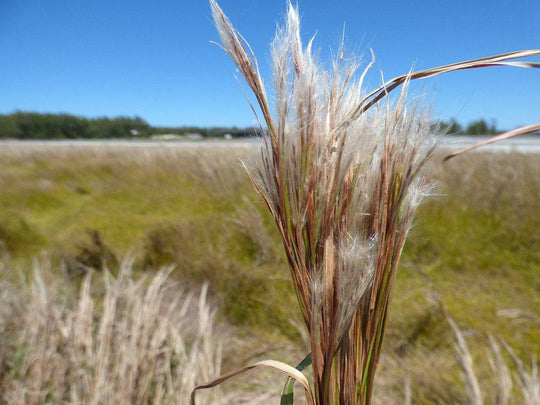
[77,210]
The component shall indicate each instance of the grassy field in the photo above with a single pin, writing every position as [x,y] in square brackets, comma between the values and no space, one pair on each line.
[474,249]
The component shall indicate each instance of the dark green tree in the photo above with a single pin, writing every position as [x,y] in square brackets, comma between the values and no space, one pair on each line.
[478,127]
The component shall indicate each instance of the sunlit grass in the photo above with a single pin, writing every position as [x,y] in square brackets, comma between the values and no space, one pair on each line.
[476,242]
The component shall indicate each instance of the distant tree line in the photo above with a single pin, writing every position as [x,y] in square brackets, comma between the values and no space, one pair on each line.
[30,125]
[212,132]
[478,127]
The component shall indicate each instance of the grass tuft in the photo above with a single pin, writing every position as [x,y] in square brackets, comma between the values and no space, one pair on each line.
[133,341]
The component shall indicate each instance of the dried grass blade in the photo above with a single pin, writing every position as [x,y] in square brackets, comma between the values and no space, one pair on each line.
[242,55]
[276,365]
[530,383]
[501,372]
[507,135]
[465,359]
[495,60]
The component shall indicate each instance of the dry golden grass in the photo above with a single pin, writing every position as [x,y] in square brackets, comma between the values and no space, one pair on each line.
[117,340]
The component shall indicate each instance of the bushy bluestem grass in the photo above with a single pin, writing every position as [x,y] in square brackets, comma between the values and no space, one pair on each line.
[342,173]
[342,188]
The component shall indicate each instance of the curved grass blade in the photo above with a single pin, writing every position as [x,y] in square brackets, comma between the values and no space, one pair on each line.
[287,394]
[276,365]
[507,135]
[495,60]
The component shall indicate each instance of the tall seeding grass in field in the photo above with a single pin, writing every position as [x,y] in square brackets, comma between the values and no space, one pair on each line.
[501,391]
[118,341]
[342,173]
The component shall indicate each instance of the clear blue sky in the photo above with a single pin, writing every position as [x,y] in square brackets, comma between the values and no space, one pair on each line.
[154,58]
